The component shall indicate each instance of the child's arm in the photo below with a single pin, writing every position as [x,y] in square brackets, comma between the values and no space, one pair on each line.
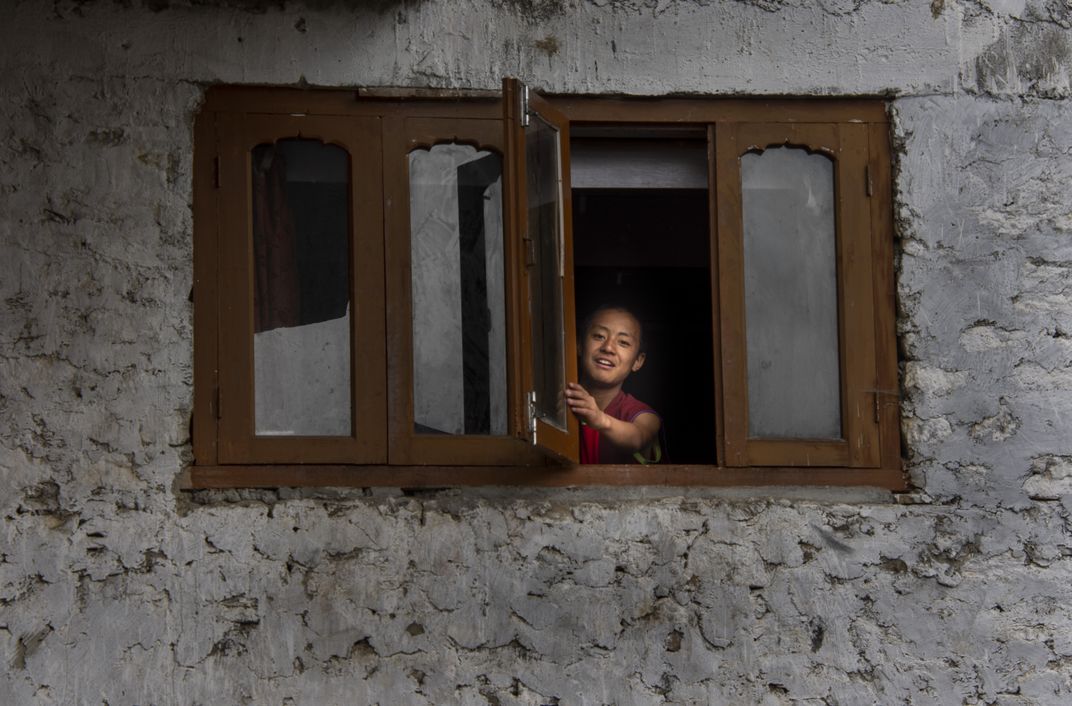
[633,436]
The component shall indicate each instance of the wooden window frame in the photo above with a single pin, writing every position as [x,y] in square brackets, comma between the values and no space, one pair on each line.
[239,133]
[846,145]
[415,119]
[401,137]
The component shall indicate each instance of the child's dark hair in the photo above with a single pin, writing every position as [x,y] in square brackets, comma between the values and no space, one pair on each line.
[614,306]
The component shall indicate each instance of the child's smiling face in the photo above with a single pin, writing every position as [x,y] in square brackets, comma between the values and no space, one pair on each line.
[610,350]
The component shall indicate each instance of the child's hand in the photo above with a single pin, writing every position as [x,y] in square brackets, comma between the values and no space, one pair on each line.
[584,406]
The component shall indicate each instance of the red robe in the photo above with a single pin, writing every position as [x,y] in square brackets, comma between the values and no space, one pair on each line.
[626,408]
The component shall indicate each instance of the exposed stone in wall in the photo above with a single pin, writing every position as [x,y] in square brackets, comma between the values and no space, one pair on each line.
[116,588]
[538,599]
[997,383]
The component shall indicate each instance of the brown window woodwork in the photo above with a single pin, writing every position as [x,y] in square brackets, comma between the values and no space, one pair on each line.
[406,139]
[854,441]
[384,285]
[240,440]
[541,155]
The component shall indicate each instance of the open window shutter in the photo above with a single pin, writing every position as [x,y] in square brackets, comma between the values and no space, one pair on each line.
[539,159]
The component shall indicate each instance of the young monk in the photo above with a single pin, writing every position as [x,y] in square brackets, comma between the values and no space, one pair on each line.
[615,426]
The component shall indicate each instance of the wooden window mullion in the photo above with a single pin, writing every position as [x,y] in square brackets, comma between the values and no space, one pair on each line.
[731,294]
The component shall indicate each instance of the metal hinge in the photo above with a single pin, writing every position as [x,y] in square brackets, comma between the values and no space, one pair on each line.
[870,182]
[524,95]
[530,398]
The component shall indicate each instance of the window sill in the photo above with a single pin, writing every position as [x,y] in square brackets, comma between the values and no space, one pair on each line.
[222,477]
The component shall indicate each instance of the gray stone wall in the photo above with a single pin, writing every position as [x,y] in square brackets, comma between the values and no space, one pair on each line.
[115,588]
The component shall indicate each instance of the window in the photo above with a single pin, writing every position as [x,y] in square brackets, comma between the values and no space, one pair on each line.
[387,287]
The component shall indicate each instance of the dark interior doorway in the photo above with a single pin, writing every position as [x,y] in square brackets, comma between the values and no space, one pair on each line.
[648,248]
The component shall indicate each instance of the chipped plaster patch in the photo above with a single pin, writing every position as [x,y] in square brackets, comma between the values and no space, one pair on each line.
[1050,478]
[925,431]
[998,427]
[933,381]
[988,337]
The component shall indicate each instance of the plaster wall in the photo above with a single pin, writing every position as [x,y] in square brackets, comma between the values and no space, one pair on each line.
[115,588]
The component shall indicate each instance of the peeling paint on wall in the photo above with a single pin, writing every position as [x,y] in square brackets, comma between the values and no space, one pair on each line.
[1027,58]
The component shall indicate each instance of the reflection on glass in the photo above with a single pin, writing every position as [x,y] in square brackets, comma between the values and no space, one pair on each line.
[301,299]
[545,230]
[791,295]
[459,315]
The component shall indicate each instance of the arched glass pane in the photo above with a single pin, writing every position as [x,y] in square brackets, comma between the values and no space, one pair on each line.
[301,299]
[459,302]
[791,307]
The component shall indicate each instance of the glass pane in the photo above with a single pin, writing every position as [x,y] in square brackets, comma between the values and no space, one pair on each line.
[545,230]
[791,295]
[459,313]
[301,299]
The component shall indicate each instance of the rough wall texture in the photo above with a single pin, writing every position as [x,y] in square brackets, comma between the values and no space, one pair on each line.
[116,589]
